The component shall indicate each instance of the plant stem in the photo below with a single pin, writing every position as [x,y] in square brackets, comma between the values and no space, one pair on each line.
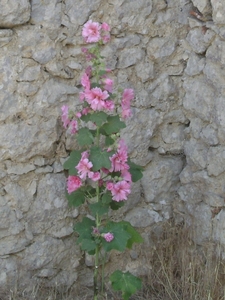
[96,274]
[97,249]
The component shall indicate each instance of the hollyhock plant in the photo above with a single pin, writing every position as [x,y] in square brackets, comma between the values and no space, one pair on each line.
[100,170]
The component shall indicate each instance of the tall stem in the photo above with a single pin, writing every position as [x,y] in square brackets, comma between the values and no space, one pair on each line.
[97,249]
[96,273]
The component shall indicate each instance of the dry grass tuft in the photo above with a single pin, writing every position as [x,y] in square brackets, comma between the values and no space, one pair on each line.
[176,269]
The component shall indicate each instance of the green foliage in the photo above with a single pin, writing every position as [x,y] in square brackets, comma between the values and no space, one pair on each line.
[98,117]
[135,171]
[116,205]
[127,283]
[99,158]
[76,198]
[99,208]
[84,137]
[72,162]
[135,236]
[107,197]
[113,125]
[121,236]
[86,239]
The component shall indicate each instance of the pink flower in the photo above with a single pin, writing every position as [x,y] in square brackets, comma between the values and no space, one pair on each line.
[91,32]
[126,113]
[119,159]
[127,96]
[109,185]
[85,81]
[73,183]
[106,38]
[88,71]
[108,84]
[78,115]
[95,231]
[125,174]
[120,190]
[108,236]
[65,116]
[85,111]
[109,105]
[84,167]
[73,127]
[95,97]
[105,26]
[95,176]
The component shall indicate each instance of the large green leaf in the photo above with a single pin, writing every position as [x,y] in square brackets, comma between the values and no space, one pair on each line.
[72,162]
[84,228]
[135,236]
[121,236]
[135,171]
[76,198]
[99,208]
[116,205]
[107,197]
[84,137]
[99,118]
[127,283]
[113,125]
[88,245]
[99,158]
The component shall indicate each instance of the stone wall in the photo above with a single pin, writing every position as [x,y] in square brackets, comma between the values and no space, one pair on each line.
[173,54]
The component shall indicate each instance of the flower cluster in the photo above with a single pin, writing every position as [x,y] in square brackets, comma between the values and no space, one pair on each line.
[119,186]
[93,32]
[97,97]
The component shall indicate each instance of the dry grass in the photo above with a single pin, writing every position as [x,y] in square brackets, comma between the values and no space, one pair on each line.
[180,270]
[176,269]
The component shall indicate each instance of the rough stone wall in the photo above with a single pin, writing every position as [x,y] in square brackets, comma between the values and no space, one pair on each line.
[173,54]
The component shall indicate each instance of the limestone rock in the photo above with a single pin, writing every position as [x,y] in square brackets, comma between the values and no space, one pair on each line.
[129,57]
[46,13]
[161,47]
[218,11]
[199,40]
[198,97]
[142,217]
[160,179]
[195,65]
[196,153]
[14,13]
[215,160]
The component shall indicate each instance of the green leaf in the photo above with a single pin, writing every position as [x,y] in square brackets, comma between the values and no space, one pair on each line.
[99,158]
[120,237]
[107,197]
[99,208]
[86,118]
[127,283]
[113,125]
[88,245]
[76,198]
[84,137]
[84,228]
[72,162]
[135,236]
[116,205]
[109,141]
[135,171]
[99,118]
[101,72]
